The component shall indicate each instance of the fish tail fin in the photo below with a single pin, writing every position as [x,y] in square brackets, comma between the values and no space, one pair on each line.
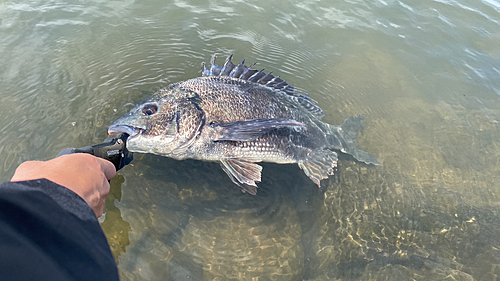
[343,138]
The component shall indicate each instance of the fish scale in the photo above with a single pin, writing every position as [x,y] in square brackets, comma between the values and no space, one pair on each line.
[239,116]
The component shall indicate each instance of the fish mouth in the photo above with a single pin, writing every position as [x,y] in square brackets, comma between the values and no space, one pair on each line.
[118,129]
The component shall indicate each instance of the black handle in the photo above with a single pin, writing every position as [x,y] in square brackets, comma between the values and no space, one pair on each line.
[112,149]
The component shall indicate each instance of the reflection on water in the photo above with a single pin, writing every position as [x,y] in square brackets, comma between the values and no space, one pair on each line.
[423,73]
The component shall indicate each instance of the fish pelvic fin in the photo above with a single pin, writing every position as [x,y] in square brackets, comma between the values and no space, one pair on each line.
[343,138]
[319,165]
[243,172]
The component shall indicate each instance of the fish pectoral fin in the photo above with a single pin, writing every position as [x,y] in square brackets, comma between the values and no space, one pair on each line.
[319,165]
[243,172]
[250,130]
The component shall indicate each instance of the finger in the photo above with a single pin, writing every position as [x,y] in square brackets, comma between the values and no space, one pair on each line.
[107,168]
[99,208]
[105,189]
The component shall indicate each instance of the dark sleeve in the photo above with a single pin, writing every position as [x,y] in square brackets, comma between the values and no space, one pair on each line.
[48,232]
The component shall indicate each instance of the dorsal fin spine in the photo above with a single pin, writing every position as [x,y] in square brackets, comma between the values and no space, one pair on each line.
[245,75]
[227,67]
[213,67]
[257,76]
[237,70]
[204,70]
[264,80]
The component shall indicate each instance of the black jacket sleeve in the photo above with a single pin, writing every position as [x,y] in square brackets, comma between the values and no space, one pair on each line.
[48,232]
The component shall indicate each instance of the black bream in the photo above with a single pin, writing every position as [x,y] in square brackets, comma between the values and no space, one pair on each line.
[239,116]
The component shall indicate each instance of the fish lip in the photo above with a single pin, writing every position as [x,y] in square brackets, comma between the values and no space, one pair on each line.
[118,129]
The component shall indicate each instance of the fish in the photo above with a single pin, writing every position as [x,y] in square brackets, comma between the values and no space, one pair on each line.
[239,116]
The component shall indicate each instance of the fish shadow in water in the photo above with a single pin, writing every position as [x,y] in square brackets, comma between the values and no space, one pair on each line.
[198,175]
[204,191]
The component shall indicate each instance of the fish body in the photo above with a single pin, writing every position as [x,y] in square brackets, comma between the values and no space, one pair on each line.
[239,116]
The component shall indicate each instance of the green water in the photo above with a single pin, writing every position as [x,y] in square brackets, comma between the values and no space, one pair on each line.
[425,74]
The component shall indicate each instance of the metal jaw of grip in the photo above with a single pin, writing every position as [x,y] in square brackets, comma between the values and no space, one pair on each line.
[112,149]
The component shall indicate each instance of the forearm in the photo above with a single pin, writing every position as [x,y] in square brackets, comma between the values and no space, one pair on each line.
[50,231]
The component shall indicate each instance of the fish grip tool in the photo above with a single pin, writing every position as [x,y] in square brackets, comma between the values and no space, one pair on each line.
[112,149]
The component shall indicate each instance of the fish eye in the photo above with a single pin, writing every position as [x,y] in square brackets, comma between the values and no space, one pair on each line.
[149,109]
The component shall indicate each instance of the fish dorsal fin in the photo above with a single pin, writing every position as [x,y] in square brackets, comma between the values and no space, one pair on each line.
[246,73]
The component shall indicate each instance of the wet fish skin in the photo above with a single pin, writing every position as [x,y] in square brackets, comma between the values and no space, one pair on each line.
[239,116]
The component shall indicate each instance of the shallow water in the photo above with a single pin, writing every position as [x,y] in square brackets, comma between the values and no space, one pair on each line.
[425,74]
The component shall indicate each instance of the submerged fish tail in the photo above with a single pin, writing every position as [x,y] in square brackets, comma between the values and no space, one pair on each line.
[343,138]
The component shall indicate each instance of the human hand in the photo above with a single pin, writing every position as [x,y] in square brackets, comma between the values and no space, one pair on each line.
[84,174]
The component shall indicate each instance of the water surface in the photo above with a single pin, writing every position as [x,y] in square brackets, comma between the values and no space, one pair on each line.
[425,74]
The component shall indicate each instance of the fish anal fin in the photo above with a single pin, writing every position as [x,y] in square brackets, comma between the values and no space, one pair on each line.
[249,130]
[319,165]
[243,172]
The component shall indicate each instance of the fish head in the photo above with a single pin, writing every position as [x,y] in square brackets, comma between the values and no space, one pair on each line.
[164,124]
